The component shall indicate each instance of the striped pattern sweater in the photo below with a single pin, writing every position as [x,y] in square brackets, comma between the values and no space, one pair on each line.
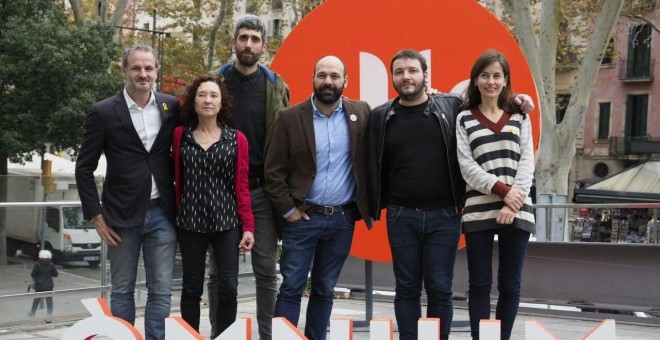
[493,154]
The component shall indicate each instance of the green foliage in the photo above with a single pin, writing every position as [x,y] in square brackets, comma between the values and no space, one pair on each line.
[50,73]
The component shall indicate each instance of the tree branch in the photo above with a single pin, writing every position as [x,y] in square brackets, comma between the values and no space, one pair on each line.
[641,18]
[120,10]
[589,66]
[214,31]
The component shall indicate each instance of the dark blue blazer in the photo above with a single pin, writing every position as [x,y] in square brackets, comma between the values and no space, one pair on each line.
[127,185]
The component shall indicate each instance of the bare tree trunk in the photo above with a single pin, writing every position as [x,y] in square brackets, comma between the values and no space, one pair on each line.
[120,10]
[301,8]
[557,145]
[219,19]
[295,5]
[101,10]
[586,77]
[77,12]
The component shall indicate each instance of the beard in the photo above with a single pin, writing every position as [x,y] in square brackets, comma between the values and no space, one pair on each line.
[419,90]
[247,59]
[328,97]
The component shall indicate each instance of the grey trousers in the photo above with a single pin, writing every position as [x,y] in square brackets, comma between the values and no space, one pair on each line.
[264,260]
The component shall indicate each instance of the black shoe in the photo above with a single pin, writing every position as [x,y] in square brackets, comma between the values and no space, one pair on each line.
[31,314]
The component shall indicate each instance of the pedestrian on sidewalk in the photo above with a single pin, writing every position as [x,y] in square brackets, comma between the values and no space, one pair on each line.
[42,274]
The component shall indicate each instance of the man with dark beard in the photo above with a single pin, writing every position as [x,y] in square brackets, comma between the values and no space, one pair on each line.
[316,178]
[258,95]
[414,172]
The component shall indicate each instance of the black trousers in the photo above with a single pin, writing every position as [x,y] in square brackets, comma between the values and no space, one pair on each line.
[193,248]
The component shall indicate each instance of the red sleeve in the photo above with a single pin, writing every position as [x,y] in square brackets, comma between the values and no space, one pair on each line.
[500,189]
[176,157]
[243,199]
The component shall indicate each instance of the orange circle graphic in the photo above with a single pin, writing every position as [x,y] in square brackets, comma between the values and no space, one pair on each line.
[365,34]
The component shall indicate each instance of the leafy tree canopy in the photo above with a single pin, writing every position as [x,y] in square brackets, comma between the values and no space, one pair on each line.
[50,73]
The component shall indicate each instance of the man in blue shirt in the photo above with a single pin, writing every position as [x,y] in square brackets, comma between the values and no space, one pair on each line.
[315,173]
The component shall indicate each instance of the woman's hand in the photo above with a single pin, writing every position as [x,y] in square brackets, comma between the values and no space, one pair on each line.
[505,216]
[515,199]
[247,241]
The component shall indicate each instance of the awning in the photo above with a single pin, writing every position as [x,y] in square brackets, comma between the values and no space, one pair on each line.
[60,166]
[639,184]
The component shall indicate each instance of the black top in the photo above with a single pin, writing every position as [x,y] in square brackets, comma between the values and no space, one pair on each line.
[415,166]
[208,200]
[42,274]
[249,98]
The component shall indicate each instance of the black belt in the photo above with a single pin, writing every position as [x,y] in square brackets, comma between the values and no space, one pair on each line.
[330,209]
[154,201]
[256,183]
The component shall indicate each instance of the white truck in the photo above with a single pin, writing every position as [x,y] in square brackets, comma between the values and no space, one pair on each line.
[62,228]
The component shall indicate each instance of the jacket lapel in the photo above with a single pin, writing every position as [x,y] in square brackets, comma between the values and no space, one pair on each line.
[352,119]
[307,121]
[164,111]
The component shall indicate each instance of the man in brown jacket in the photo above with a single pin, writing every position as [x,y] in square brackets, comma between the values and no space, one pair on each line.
[316,177]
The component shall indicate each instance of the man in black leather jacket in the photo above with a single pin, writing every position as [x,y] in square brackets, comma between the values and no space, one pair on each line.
[414,173]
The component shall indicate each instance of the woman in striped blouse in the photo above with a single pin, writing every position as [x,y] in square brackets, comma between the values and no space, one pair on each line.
[496,157]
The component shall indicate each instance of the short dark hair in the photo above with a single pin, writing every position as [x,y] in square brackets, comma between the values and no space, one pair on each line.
[189,115]
[137,47]
[471,93]
[252,22]
[409,53]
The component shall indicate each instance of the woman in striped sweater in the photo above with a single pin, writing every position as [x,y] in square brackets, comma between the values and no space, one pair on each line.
[496,157]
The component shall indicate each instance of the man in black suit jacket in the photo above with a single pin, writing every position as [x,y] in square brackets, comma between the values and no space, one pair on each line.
[134,131]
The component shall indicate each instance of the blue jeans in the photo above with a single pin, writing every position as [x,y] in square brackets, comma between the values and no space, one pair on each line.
[193,247]
[424,245]
[326,241]
[512,245]
[157,239]
[37,301]
[264,266]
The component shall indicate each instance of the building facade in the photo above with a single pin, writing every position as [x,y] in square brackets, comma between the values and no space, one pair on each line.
[621,127]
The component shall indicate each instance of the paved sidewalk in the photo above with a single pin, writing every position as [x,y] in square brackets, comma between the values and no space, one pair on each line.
[353,308]
[13,280]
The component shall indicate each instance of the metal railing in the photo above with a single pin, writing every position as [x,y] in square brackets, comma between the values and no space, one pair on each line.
[104,286]
[640,145]
[539,292]
[631,71]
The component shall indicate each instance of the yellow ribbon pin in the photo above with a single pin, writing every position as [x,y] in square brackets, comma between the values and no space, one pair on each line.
[165,108]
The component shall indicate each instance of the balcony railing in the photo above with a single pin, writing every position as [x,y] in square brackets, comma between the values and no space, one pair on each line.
[634,72]
[641,145]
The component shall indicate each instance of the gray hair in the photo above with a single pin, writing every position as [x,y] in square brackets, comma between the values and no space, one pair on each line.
[137,47]
[252,22]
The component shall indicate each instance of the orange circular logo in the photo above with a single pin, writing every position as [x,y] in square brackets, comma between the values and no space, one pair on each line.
[365,34]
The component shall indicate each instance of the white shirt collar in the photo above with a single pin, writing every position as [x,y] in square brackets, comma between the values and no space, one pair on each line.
[130,102]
